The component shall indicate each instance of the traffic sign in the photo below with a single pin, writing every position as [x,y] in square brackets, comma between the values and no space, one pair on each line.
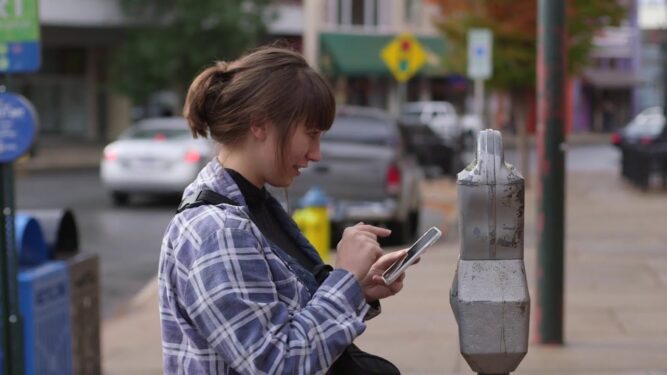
[404,56]
[479,53]
[17,126]
[19,36]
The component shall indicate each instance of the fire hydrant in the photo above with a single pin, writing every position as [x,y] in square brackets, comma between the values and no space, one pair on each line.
[313,220]
[489,295]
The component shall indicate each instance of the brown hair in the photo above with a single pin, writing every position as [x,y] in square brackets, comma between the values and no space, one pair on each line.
[268,84]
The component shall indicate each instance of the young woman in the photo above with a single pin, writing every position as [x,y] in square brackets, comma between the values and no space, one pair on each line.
[241,290]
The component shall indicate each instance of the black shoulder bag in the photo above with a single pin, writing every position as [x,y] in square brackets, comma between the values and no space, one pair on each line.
[353,361]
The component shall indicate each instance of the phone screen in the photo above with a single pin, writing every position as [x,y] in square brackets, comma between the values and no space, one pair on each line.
[427,239]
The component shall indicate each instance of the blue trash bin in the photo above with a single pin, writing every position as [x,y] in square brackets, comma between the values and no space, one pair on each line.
[44,301]
[30,245]
[59,229]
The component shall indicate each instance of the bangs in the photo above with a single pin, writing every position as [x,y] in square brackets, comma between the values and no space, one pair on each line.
[314,103]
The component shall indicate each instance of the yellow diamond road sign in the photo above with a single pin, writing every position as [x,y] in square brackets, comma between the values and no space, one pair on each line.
[404,56]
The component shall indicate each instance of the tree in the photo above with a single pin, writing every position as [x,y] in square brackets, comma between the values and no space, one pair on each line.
[514,27]
[171,40]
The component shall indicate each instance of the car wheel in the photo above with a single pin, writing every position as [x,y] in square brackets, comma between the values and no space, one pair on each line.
[120,198]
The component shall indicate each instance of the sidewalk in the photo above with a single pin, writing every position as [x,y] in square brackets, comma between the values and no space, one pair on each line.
[62,155]
[615,302]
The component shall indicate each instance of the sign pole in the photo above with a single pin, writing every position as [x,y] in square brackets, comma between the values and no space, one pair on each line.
[402,95]
[404,56]
[19,52]
[479,99]
[551,67]
[12,325]
[480,65]
[12,320]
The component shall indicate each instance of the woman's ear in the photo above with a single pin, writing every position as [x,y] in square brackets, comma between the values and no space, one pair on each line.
[259,130]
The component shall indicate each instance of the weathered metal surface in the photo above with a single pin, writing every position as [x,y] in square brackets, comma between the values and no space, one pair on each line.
[492,195]
[489,295]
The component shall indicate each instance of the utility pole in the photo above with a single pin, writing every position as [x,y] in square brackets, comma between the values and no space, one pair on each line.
[551,65]
[312,10]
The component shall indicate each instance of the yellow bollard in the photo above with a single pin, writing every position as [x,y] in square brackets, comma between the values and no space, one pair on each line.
[313,220]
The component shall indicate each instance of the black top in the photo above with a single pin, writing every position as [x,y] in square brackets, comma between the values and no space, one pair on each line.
[262,216]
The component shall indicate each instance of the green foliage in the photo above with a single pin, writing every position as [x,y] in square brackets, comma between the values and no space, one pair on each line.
[171,40]
[515,35]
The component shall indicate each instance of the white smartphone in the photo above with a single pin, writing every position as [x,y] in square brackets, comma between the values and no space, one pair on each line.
[395,270]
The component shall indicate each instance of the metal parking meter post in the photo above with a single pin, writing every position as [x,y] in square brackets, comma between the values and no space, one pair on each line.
[489,295]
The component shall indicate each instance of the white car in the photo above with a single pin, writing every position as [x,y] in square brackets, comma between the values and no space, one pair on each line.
[154,156]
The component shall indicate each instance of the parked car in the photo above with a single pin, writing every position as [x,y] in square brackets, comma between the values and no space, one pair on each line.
[648,127]
[439,115]
[433,132]
[154,156]
[366,174]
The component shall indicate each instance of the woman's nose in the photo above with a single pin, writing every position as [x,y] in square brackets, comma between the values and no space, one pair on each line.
[314,153]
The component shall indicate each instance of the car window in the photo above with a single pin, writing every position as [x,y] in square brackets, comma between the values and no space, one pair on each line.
[359,129]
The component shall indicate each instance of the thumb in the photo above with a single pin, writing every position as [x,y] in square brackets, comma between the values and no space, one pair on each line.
[387,260]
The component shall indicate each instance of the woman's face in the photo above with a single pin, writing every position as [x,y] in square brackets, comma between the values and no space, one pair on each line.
[302,147]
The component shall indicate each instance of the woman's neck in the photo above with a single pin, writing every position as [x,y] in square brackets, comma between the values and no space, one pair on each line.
[241,163]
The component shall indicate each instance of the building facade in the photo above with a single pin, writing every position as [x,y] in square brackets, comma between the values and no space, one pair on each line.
[351,36]
[607,93]
[71,91]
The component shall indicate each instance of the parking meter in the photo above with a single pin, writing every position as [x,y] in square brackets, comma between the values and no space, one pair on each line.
[489,295]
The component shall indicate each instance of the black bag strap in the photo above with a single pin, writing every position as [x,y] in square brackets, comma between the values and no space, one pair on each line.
[204,196]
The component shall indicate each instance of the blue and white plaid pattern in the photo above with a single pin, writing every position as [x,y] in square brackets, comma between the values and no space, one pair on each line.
[231,303]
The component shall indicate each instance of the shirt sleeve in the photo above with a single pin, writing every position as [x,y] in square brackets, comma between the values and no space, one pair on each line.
[234,301]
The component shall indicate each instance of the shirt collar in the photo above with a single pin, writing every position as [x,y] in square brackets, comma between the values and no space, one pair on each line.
[253,195]
[213,176]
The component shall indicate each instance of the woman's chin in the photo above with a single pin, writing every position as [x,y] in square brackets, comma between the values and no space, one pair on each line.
[282,183]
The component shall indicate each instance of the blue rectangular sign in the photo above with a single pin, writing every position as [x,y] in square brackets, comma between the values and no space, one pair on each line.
[20,57]
[19,36]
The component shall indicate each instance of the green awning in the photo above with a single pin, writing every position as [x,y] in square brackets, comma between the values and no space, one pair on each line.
[359,55]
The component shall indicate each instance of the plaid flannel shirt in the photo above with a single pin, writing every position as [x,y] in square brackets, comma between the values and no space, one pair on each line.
[231,302]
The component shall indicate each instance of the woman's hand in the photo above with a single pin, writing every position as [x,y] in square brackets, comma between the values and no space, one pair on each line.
[359,249]
[373,286]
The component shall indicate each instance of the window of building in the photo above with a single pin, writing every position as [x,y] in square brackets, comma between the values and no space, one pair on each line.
[361,13]
[413,12]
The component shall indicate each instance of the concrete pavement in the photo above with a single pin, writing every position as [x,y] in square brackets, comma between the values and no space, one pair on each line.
[615,302]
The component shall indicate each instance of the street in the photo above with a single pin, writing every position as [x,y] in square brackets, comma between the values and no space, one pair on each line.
[128,239]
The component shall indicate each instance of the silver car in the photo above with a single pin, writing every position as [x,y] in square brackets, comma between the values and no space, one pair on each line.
[365,173]
[154,156]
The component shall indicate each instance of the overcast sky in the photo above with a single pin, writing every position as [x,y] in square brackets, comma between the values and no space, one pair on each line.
[652,14]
